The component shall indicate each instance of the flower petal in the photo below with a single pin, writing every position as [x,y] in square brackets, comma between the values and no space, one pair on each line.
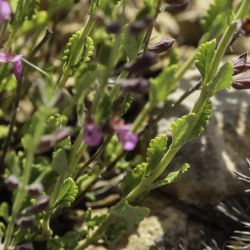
[5,11]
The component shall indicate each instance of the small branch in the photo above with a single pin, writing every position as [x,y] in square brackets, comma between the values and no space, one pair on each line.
[150,29]
[96,155]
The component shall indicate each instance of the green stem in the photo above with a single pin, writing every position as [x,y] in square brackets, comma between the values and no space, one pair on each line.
[141,117]
[220,52]
[21,193]
[227,38]
[53,197]
[147,180]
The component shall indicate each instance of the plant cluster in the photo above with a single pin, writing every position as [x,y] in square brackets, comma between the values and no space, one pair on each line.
[78,130]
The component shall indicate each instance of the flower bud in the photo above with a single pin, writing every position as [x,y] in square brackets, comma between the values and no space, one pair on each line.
[142,63]
[35,189]
[113,28]
[26,222]
[162,46]
[11,182]
[241,82]
[138,85]
[240,64]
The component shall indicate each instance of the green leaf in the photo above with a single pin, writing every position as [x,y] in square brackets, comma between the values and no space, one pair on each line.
[163,85]
[71,239]
[4,211]
[75,53]
[171,177]
[132,44]
[190,126]
[203,117]
[215,9]
[204,57]
[124,218]
[60,162]
[67,194]
[133,178]
[156,150]
[2,231]
[223,80]
[131,215]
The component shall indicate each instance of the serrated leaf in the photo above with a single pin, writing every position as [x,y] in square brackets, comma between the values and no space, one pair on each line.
[204,58]
[67,194]
[133,178]
[203,117]
[215,9]
[78,50]
[181,129]
[163,85]
[131,215]
[223,80]
[190,126]
[156,150]
[171,177]
[60,162]
[124,218]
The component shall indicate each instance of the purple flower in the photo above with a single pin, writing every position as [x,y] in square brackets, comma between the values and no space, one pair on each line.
[5,11]
[16,60]
[92,135]
[127,138]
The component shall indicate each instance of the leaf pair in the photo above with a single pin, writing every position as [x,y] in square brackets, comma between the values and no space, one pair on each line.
[156,150]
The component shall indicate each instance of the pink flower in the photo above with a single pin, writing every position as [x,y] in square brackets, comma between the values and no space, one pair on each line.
[92,135]
[127,138]
[16,60]
[5,11]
